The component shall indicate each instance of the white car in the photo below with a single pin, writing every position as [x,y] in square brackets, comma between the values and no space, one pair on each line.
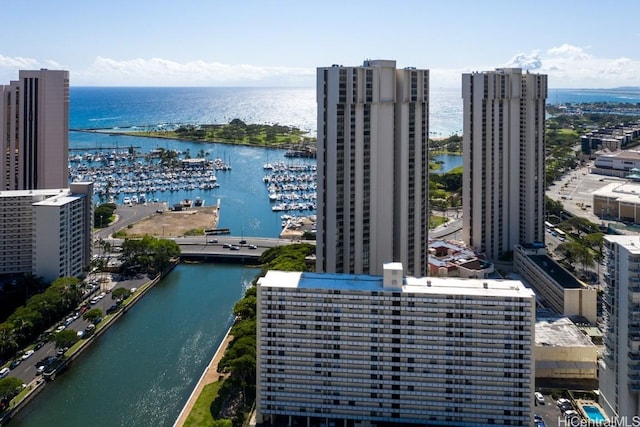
[539,398]
[27,354]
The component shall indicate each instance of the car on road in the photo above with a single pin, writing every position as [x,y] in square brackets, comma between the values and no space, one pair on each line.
[213,241]
[235,248]
[539,398]
[226,246]
[253,247]
[243,242]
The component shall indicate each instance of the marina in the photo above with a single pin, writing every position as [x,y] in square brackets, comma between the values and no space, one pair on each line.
[134,177]
[291,186]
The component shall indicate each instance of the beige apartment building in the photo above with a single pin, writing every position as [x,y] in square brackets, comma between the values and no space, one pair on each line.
[503,159]
[360,350]
[34,131]
[373,128]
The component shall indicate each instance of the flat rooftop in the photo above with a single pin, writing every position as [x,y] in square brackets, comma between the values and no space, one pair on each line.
[557,272]
[424,285]
[560,332]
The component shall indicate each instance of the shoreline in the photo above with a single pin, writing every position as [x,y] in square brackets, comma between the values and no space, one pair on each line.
[209,375]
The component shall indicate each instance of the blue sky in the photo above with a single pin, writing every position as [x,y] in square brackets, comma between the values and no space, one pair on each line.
[587,43]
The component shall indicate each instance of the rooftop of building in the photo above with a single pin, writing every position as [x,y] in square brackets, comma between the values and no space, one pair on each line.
[560,332]
[629,242]
[424,285]
[59,200]
[556,271]
[449,253]
[627,191]
[31,193]
[623,155]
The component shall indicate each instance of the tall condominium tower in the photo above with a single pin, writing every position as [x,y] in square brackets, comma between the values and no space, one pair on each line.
[34,131]
[503,152]
[619,369]
[372,168]
[357,350]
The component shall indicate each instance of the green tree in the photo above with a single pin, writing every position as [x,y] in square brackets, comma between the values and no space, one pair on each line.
[65,338]
[10,387]
[120,294]
[92,315]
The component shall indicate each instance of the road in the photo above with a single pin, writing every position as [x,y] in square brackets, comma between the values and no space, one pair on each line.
[27,371]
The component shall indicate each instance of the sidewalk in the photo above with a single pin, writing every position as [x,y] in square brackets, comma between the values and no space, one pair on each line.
[210,375]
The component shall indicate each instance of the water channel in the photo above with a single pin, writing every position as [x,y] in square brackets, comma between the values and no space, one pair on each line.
[143,369]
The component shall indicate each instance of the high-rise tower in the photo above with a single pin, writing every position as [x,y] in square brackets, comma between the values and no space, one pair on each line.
[503,159]
[34,131]
[372,168]
[619,368]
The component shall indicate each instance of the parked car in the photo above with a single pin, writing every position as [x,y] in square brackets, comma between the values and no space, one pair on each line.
[14,364]
[4,372]
[243,242]
[38,345]
[539,398]
[27,354]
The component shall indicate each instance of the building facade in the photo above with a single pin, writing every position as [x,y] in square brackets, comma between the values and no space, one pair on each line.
[47,233]
[373,186]
[619,369]
[359,350]
[34,131]
[503,159]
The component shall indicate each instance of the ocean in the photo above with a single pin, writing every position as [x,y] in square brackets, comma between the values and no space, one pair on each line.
[243,195]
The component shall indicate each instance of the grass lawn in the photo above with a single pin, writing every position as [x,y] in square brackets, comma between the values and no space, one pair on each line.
[435,221]
[200,414]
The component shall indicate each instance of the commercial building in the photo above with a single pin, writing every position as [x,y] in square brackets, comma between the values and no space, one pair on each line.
[372,168]
[504,158]
[555,287]
[563,351]
[359,350]
[618,201]
[47,233]
[34,131]
[619,369]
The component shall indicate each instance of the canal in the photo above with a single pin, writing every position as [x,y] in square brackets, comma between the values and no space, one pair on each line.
[143,369]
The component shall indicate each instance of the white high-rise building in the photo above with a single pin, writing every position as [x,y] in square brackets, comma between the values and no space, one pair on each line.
[503,159]
[34,131]
[46,232]
[373,129]
[619,368]
[359,350]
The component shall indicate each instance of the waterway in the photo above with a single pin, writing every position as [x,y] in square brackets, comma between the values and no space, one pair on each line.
[143,369]
[447,162]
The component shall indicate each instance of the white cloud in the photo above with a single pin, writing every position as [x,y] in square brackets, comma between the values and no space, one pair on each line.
[164,72]
[571,66]
[568,66]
